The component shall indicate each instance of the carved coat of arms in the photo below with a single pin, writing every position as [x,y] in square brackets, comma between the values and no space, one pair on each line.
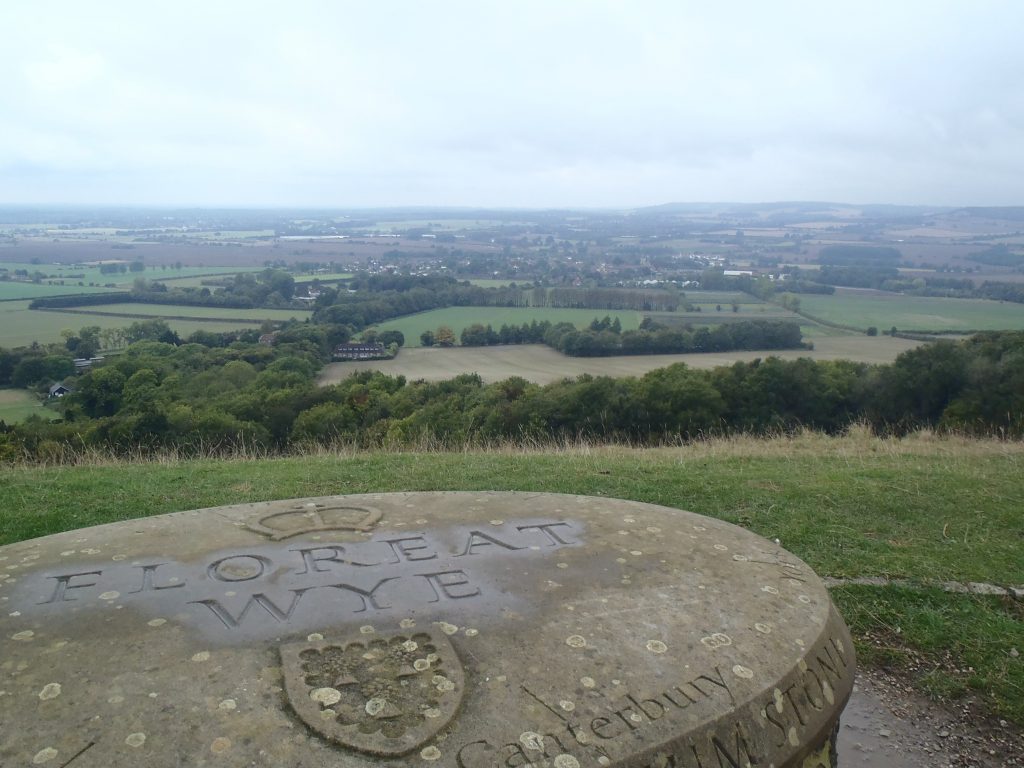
[382,695]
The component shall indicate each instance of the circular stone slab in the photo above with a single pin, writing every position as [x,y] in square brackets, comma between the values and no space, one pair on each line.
[457,629]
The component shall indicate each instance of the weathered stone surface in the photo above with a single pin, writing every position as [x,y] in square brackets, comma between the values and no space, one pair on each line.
[468,629]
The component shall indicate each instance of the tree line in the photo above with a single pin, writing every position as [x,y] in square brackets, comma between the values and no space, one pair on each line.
[203,398]
[605,337]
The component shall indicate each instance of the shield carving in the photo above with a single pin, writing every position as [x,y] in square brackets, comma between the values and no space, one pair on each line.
[383,695]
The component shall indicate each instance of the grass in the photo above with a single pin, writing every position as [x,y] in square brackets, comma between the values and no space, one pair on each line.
[484,282]
[18,404]
[541,364]
[220,314]
[725,298]
[71,274]
[20,326]
[13,291]
[921,509]
[861,309]
[325,277]
[458,318]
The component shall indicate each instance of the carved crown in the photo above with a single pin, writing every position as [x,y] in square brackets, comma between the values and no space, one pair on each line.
[312,518]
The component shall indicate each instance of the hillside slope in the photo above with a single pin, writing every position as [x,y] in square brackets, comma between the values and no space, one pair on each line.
[919,512]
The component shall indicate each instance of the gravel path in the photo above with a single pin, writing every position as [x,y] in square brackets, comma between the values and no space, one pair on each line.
[886,725]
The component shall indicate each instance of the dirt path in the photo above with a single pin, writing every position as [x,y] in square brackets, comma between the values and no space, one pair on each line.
[886,725]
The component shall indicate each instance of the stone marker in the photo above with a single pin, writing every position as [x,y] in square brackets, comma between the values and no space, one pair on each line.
[456,629]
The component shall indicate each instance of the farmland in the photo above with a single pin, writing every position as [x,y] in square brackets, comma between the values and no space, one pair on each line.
[11,290]
[458,318]
[18,404]
[20,326]
[862,308]
[87,273]
[543,365]
[217,314]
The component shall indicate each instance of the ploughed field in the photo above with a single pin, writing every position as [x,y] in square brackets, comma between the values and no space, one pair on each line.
[541,364]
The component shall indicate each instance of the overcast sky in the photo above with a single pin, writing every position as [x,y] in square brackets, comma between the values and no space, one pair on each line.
[511,103]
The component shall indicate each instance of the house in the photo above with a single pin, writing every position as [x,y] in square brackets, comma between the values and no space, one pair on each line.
[268,339]
[60,389]
[372,351]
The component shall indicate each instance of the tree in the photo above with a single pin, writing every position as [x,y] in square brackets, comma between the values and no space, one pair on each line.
[36,369]
[99,392]
[427,338]
[387,338]
[280,282]
[790,301]
[444,336]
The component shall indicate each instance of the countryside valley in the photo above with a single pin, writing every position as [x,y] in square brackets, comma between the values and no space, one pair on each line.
[846,380]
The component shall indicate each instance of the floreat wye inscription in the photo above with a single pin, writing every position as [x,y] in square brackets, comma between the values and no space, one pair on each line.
[299,581]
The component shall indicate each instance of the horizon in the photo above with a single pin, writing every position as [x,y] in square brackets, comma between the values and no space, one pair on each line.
[80,206]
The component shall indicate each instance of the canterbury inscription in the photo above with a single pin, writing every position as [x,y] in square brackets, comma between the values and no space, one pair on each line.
[274,584]
[794,712]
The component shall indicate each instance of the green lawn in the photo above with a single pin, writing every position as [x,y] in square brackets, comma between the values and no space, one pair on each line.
[922,509]
[458,318]
[913,313]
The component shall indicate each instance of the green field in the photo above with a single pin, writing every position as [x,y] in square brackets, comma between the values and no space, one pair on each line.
[72,274]
[221,314]
[922,509]
[12,291]
[485,283]
[20,326]
[725,298]
[458,318]
[328,277]
[861,309]
[18,404]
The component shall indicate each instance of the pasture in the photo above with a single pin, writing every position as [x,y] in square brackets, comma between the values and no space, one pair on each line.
[18,404]
[327,277]
[862,308]
[458,318]
[725,298]
[13,290]
[72,274]
[542,365]
[219,314]
[488,283]
[20,326]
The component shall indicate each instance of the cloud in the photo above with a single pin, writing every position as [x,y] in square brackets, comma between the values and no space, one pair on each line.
[526,103]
